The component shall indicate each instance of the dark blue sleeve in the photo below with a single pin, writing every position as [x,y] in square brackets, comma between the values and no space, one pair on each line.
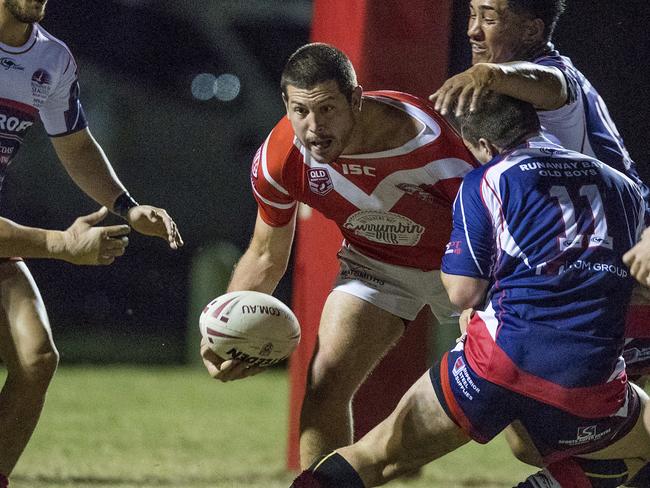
[471,246]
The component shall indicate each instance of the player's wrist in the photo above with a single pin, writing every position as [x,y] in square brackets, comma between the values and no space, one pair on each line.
[123,203]
[55,244]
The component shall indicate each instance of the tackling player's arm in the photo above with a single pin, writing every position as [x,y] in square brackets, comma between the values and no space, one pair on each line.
[89,168]
[259,269]
[464,292]
[638,259]
[81,243]
[543,86]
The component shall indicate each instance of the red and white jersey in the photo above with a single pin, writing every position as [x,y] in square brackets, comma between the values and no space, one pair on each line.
[37,80]
[394,206]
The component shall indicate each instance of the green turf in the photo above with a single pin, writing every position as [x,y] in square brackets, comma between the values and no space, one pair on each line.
[128,427]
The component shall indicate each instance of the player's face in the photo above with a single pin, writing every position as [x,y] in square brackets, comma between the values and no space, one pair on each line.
[322,118]
[496,34]
[27,11]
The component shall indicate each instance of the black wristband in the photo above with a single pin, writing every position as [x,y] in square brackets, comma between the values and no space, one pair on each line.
[123,204]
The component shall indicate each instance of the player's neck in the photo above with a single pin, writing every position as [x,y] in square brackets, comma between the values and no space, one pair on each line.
[381,127]
[13,32]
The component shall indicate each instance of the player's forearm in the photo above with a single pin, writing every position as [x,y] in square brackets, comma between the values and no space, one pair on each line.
[542,86]
[89,168]
[258,272]
[29,242]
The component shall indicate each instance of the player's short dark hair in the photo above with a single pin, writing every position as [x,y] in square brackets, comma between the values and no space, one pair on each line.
[319,63]
[547,10]
[502,120]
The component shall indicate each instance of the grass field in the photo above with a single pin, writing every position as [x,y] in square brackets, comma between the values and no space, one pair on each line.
[128,427]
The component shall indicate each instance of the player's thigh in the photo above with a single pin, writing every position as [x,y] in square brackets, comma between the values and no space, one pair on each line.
[636,444]
[417,432]
[25,334]
[353,335]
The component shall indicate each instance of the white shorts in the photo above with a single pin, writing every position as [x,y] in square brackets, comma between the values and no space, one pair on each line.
[400,290]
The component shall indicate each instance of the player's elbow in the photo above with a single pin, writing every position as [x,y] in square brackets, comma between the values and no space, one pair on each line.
[464,292]
[463,300]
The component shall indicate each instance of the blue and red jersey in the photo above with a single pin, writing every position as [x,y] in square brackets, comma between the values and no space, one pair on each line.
[548,227]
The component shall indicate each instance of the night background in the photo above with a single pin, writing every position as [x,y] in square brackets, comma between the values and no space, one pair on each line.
[148,72]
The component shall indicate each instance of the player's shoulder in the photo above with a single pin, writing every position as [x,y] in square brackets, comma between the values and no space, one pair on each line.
[423,111]
[412,104]
[279,148]
[52,44]
[552,57]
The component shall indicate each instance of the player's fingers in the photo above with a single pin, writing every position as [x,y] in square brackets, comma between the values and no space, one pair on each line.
[105,260]
[439,96]
[239,371]
[463,97]
[628,257]
[476,98]
[175,239]
[228,370]
[252,371]
[173,236]
[449,99]
[635,267]
[213,370]
[95,217]
[116,230]
[113,251]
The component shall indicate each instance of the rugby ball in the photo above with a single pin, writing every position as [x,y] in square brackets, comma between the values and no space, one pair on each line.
[250,326]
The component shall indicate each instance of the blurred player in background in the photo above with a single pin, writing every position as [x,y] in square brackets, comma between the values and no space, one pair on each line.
[385,167]
[38,79]
[536,248]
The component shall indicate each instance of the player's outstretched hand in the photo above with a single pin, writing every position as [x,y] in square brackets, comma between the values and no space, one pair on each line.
[83,243]
[153,221]
[464,90]
[638,259]
[225,370]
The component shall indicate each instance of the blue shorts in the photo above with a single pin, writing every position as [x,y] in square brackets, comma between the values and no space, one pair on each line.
[483,409]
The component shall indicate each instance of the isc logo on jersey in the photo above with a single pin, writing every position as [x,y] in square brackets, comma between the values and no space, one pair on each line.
[14,124]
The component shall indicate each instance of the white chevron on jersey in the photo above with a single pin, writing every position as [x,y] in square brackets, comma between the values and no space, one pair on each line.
[386,194]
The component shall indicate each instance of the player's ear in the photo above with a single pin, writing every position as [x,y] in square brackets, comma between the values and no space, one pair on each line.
[487,149]
[534,31]
[356,98]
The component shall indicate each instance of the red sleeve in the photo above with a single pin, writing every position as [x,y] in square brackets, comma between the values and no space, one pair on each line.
[275,203]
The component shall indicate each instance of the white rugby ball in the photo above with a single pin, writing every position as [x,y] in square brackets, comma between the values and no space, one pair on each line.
[250,326]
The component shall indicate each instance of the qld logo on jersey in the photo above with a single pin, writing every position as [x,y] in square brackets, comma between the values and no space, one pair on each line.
[385,227]
[320,181]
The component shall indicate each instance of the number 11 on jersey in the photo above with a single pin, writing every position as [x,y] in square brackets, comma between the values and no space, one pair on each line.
[571,238]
